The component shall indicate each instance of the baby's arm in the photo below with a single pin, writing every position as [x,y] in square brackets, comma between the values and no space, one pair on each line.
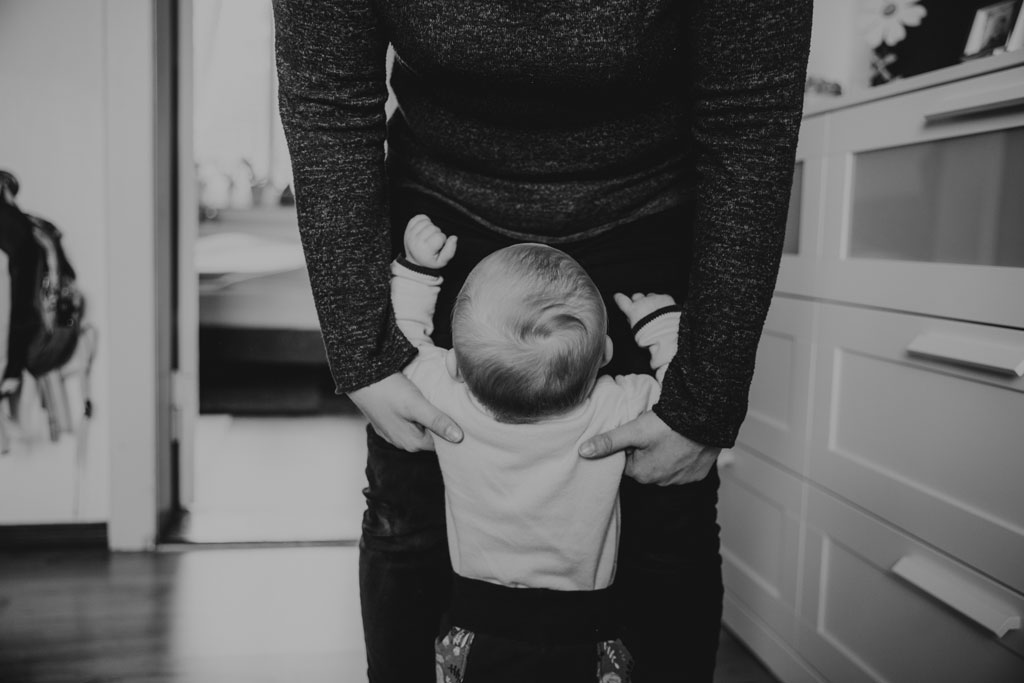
[416,278]
[655,322]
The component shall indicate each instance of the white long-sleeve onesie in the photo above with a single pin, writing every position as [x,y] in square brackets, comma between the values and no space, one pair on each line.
[523,508]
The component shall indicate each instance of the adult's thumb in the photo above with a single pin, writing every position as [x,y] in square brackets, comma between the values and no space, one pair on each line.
[616,440]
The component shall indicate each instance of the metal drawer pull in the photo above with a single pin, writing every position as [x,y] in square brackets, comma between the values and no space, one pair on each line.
[961,595]
[998,358]
[975,104]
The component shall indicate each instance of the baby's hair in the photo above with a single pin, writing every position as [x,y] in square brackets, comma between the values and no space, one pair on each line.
[528,331]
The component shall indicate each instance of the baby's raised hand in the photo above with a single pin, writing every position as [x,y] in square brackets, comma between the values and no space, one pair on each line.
[426,245]
[640,306]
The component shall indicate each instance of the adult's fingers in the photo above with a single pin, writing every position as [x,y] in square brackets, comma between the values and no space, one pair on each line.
[413,438]
[403,432]
[628,435]
[424,413]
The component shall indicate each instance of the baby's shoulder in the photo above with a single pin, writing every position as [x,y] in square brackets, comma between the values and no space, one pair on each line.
[429,373]
[624,393]
[615,385]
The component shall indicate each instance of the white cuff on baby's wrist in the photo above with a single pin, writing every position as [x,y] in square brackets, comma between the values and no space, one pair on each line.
[664,326]
[403,267]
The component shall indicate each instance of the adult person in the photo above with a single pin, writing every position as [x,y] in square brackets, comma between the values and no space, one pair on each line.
[652,140]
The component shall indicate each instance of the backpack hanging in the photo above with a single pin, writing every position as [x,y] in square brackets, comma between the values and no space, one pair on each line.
[45,326]
[46,304]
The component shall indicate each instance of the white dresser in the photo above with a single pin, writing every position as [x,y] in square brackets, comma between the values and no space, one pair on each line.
[873,515]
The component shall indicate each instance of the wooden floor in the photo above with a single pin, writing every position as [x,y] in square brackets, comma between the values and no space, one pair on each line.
[277,479]
[253,615]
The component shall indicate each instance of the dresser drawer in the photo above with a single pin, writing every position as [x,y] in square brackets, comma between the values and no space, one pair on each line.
[923,208]
[759,509]
[880,606]
[804,221]
[780,393]
[923,438]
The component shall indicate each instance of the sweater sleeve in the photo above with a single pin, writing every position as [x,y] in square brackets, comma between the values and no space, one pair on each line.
[332,90]
[749,61]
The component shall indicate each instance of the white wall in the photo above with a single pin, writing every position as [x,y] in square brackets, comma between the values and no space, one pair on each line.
[86,129]
[53,136]
[838,51]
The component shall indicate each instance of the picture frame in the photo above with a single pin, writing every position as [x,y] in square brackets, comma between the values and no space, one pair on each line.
[1016,40]
[992,29]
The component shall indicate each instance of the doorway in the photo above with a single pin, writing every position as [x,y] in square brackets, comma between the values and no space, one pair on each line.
[268,452]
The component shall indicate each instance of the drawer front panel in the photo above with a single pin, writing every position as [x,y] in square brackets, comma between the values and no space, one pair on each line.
[861,621]
[776,424]
[803,225]
[922,211]
[935,447]
[946,201]
[759,512]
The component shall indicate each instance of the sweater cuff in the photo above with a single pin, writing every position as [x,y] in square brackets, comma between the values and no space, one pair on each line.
[703,433]
[707,420]
[398,353]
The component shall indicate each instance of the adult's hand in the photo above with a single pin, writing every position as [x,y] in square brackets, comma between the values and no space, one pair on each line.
[399,413]
[655,453]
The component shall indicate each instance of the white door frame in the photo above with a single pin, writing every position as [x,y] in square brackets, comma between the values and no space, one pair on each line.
[139,166]
[186,374]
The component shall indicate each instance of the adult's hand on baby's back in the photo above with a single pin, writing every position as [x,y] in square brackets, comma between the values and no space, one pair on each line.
[655,453]
[400,414]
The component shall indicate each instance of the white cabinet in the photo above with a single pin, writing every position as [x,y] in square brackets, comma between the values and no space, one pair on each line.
[930,444]
[780,394]
[921,203]
[873,520]
[804,224]
[864,618]
[760,500]
[760,510]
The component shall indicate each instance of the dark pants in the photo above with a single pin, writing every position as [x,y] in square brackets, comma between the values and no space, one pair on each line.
[668,584]
[530,634]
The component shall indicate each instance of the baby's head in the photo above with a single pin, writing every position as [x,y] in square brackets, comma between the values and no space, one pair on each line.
[529,331]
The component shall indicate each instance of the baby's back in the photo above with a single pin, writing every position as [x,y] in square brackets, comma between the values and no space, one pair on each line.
[523,509]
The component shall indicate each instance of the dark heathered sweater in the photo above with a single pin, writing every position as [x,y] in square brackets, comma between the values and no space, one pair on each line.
[550,119]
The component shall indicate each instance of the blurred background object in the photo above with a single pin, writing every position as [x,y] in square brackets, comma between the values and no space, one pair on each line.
[241,155]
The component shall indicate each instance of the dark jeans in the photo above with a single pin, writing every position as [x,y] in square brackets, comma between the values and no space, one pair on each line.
[532,634]
[668,584]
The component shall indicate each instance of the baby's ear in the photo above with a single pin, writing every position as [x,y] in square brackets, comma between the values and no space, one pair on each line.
[608,348]
[452,365]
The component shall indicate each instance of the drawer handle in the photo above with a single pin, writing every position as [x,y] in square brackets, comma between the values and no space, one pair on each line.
[961,595]
[998,358]
[976,104]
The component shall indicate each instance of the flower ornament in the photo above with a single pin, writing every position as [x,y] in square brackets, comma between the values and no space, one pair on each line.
[886,21]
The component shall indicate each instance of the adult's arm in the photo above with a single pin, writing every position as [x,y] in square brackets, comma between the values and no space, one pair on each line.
[331,73]
[749,60]
[749,63]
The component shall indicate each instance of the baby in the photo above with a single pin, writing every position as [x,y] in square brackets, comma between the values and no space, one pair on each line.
[532,527]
